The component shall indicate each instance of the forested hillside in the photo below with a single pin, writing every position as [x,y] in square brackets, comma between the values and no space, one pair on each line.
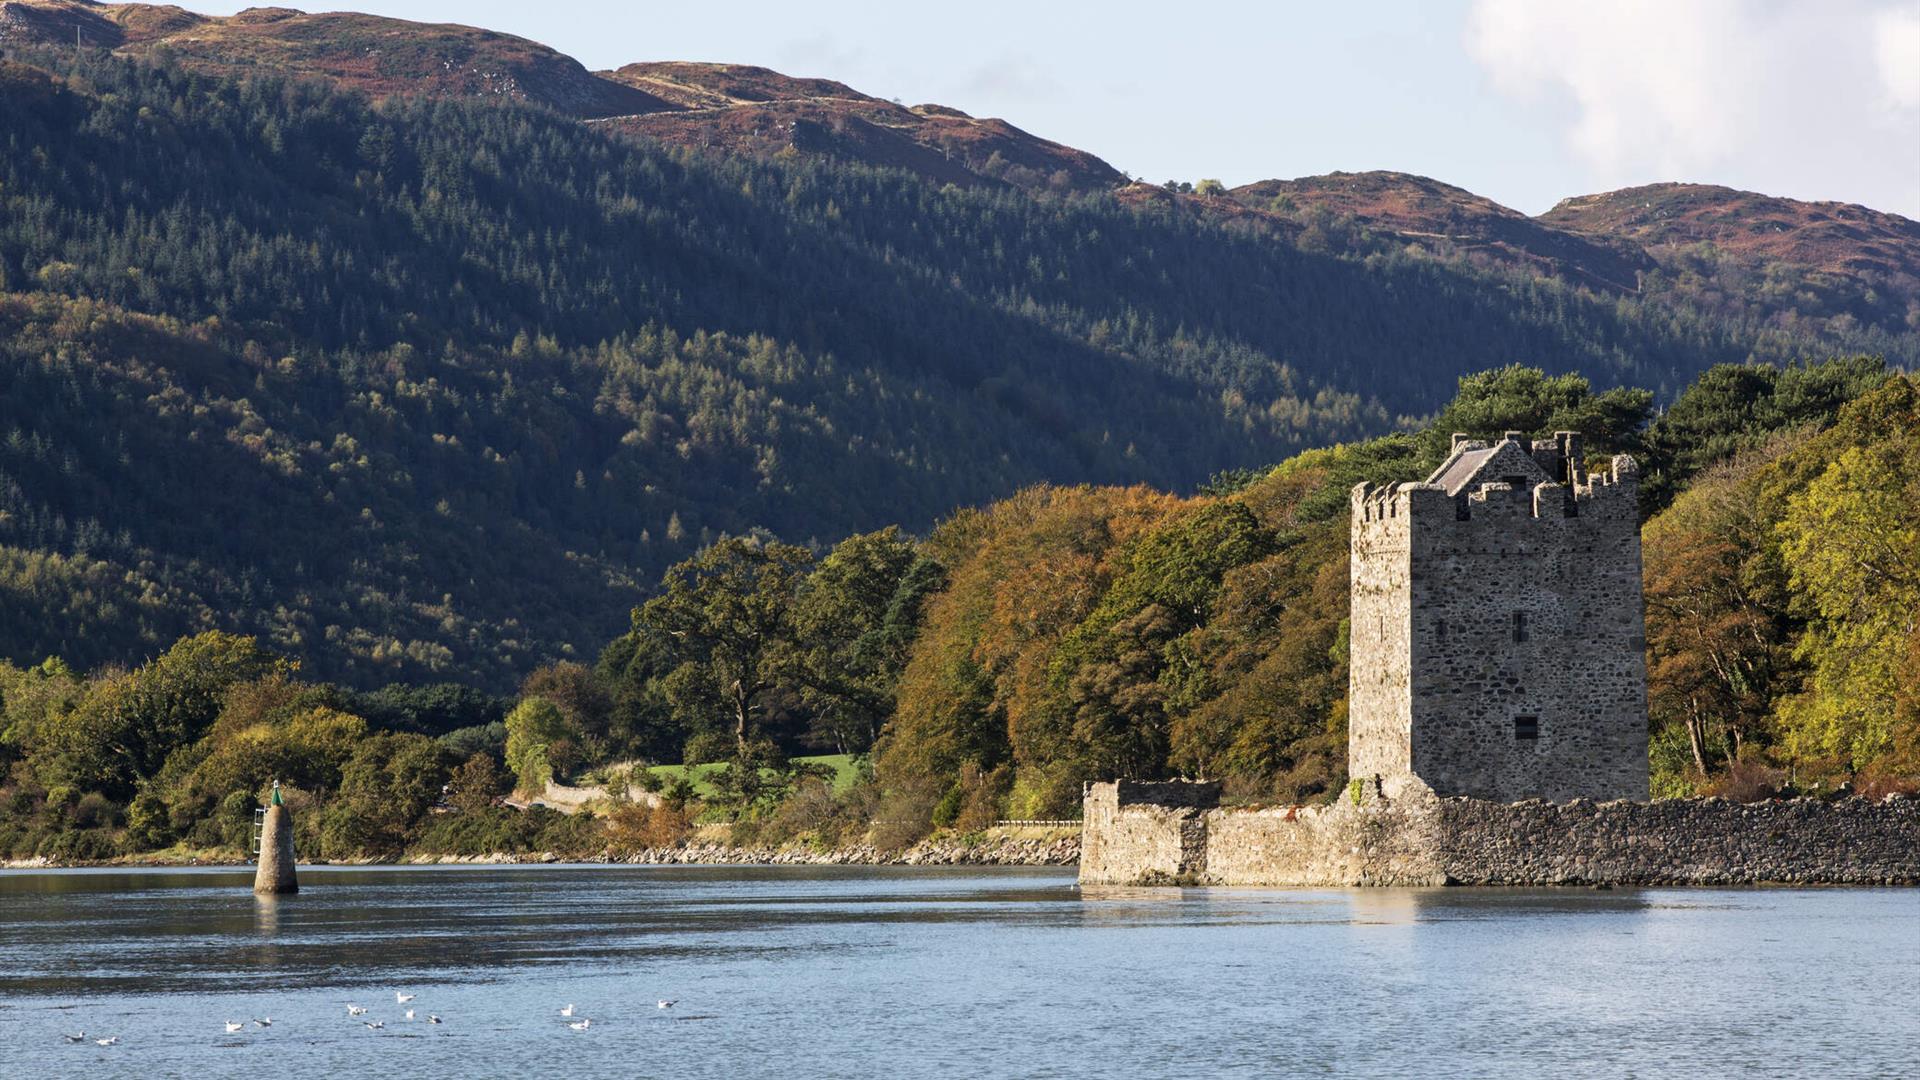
[424,389]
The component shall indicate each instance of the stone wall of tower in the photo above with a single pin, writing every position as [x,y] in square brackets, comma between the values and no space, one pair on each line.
[1496,612]
[1379,703]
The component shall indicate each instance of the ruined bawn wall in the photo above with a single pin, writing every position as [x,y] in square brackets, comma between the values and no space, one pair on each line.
[1487,612]
[1427,840]
[1144,833]
[1376,842]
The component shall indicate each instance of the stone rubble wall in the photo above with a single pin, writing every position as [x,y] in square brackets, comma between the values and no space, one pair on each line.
[1143,833]
[1425,840]
[1375,843]
[1682,842]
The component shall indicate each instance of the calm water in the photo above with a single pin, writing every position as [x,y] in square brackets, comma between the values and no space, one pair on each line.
[922,973]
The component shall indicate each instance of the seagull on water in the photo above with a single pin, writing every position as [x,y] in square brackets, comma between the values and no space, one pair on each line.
[82,1037]
[409,1014]
[263,1021]
[668,1003]
[374,1025]
[568,1011]
[582,1024]
[108,1042]
[356,1010]
[432,1019]
[402,998]
[235,1025]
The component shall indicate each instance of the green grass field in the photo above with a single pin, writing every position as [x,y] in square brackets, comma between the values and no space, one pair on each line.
[841,764]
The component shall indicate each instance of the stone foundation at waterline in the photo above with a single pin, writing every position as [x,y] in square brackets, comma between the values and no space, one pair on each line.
[1167,833]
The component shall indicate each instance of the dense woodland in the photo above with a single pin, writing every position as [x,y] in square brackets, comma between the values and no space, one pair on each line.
[409,452]
[990,667]
[426,391]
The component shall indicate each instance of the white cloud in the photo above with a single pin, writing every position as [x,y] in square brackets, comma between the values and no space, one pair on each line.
[1814,100]
[1897,47]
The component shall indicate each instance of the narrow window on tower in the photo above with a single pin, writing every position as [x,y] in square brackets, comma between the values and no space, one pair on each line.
[1519,626]
[1440,630]
[1526,728]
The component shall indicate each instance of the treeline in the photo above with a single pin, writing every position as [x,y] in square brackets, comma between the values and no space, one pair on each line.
[1783,593]
[431,390]
[1064,634]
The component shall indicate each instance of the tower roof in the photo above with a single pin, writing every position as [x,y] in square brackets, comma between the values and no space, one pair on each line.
[1473,464]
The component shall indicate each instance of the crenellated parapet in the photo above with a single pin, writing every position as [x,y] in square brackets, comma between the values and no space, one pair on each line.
[1384,511]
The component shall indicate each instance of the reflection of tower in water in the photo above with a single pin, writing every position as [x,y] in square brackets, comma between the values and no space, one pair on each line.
[266,914]
[1405,907]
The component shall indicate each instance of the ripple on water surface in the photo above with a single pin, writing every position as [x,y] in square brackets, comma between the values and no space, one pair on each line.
[817,971]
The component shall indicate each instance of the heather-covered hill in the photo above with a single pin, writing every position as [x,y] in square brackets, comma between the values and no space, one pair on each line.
[1722,247]
[1443,217]
[721,108]
[1788,265]
[1828,237]
[735,109]
[365,52]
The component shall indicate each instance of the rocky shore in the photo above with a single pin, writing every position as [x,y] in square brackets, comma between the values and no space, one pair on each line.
[1055,850]
[1060,851]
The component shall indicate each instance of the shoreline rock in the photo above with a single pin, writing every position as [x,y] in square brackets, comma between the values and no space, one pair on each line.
[993,851]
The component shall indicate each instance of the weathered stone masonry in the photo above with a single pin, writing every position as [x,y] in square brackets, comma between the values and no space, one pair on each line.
[1498,638]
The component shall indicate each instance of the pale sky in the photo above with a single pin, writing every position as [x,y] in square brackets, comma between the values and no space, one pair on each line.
[1524,101]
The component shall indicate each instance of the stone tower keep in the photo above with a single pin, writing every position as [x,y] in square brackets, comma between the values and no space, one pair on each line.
[1498,636]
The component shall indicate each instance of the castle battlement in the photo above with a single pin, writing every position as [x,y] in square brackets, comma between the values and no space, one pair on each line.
[1613,494]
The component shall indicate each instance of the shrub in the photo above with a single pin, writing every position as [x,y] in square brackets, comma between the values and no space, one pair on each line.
[486,831]
[904,815]
[475,785]
[948,808]
[147,824]
[709,746]
[94,811]
[637,826]
[466,742]
[1749,781]
[88,845]
[572,836]
[502,830]
[984,796]
[810,810]
[1877,784]
[680,792]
